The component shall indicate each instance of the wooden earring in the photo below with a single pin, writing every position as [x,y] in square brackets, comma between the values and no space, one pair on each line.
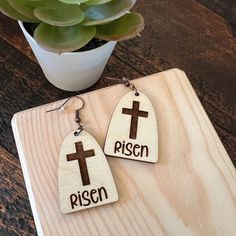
[84,176]
[132,132]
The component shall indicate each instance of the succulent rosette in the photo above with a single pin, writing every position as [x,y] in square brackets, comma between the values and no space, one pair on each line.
[68,25]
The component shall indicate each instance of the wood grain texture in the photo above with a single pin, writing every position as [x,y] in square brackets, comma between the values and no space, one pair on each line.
[84,181]
[226,9]
[133,132]
[191,191]
[15,211]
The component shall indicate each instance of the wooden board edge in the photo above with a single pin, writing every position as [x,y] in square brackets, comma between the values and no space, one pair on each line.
[26,174]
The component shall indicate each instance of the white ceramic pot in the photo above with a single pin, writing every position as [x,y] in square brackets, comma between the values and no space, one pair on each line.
[71,71]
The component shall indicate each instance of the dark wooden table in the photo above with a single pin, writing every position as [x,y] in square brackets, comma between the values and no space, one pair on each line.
[197,36]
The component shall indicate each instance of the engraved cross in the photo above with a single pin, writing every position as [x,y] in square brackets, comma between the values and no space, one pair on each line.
[135,114]
[81,156]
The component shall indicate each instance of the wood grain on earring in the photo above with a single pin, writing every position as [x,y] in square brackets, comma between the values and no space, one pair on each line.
[133,131]
[84,176]
[191,191]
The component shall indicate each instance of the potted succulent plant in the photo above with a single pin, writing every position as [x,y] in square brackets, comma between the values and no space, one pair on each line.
[73,39]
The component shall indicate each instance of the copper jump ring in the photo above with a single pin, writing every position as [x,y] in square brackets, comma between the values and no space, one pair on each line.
[127,83]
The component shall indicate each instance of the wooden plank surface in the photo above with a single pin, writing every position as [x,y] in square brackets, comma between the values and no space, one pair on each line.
[14,199]
[196,36]
[226,9]
[190,191]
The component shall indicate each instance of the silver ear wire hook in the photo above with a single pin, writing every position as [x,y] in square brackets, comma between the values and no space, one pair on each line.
[77,117]
[61,107]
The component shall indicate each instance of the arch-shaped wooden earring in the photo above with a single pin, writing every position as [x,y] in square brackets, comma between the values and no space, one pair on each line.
[84,176]
[132,132]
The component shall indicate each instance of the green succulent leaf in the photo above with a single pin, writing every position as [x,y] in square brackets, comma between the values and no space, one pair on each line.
[99,14]
[97,2]
[25,7]
[60,14]
[63,39]
[124,28]
[73,1]
[8,10]
[67,25]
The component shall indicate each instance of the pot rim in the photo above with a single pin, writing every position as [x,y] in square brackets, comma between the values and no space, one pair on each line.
[21,23]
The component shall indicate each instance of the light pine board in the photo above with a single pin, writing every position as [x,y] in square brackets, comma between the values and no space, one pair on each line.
[190,191]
